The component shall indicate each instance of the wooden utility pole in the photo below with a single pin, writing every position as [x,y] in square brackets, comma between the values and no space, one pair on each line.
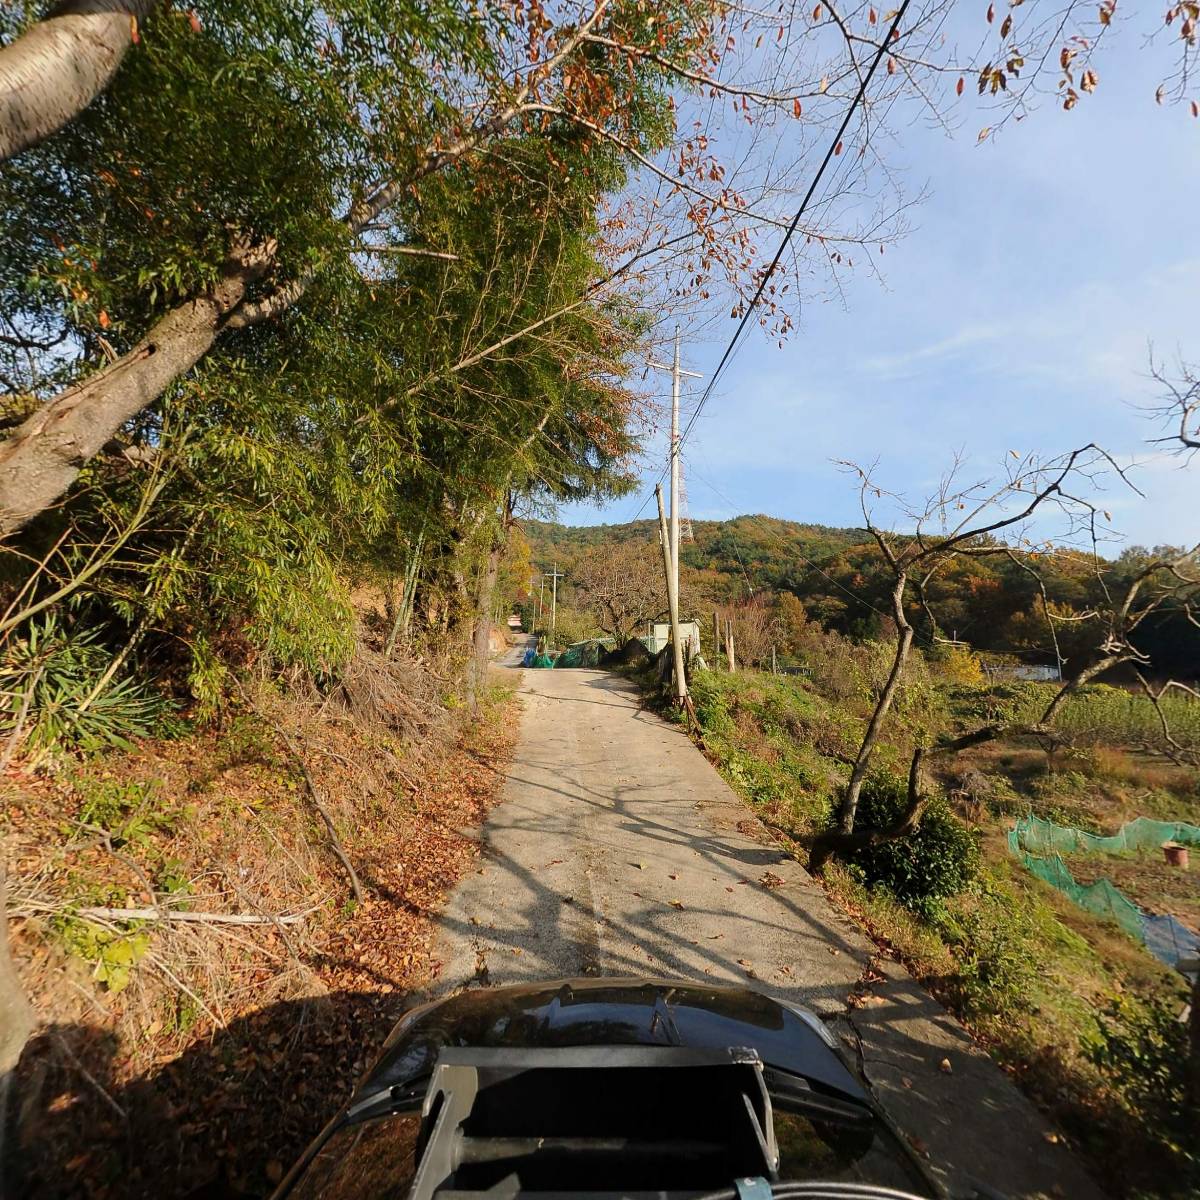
[672,602]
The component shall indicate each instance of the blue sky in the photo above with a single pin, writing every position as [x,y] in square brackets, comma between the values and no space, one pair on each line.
[1015,314]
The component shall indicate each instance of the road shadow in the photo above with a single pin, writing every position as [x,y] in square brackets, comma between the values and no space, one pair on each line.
[220,1120]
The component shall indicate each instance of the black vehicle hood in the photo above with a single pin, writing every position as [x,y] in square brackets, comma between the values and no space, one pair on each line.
[619,1012]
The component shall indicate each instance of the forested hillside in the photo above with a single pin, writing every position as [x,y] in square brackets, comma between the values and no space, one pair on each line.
[992,604]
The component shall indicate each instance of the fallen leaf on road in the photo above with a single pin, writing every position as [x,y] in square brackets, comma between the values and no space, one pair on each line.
[672,876]
[729,889]
[771,880]
[945,1067]
[640,866]
[1051,1137]
[744,962]
[904,1079]
[675,903]
[712,937]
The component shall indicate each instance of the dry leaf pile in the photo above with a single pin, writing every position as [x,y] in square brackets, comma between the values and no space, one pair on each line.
[177,1055]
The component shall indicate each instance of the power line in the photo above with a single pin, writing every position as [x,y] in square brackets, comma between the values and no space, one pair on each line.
[830,153]
[834,144]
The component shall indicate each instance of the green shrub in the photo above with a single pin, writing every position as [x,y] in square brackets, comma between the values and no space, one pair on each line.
[711,703]
[1004,704]
[129,812]
[53,694]
[112,953]
[940,859]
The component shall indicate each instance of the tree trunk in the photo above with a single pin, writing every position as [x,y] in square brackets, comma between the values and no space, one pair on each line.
[829,843]
[483,622]
[904,637]
[51,73]
[43,457]
[403,614]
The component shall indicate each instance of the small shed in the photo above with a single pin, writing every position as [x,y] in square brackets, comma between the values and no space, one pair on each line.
[660,635]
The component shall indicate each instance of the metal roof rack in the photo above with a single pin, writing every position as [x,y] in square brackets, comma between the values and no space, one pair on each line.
[599,1120]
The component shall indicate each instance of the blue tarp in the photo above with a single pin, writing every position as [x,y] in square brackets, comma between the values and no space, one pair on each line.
[1169,940]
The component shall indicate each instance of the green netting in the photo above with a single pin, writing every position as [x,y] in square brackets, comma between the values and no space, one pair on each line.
[1039,844]
[582,654]
[542,660]
[1143,833]
[1100,897]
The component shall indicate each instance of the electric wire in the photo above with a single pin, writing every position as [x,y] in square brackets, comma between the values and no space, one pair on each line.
[830,153]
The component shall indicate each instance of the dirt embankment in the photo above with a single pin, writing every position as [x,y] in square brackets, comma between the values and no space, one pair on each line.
[197,1054]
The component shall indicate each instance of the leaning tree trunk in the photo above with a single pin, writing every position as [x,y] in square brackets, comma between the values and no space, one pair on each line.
[862,763]
[51,73]
[44,455]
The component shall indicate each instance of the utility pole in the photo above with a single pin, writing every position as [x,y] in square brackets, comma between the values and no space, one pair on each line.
[541,597]
[672,601]
[554,576]
[676,374]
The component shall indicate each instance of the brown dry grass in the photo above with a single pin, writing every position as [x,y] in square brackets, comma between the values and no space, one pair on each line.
[231,1045]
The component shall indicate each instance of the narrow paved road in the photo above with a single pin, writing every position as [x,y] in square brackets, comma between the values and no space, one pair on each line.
[619,850]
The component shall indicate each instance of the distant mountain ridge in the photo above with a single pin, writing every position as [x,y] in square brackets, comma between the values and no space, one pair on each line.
[767,551]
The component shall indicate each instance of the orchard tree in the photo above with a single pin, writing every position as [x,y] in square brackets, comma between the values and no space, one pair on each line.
[972,521]
[622,585]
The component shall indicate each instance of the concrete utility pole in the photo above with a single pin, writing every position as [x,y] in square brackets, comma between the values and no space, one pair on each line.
[554,577]
[676,374]
[672,601]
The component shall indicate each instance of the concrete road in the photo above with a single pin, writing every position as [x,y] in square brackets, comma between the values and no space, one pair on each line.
[619,850]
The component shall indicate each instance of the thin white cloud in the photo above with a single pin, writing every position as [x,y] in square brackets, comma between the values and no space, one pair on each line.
[904,363]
